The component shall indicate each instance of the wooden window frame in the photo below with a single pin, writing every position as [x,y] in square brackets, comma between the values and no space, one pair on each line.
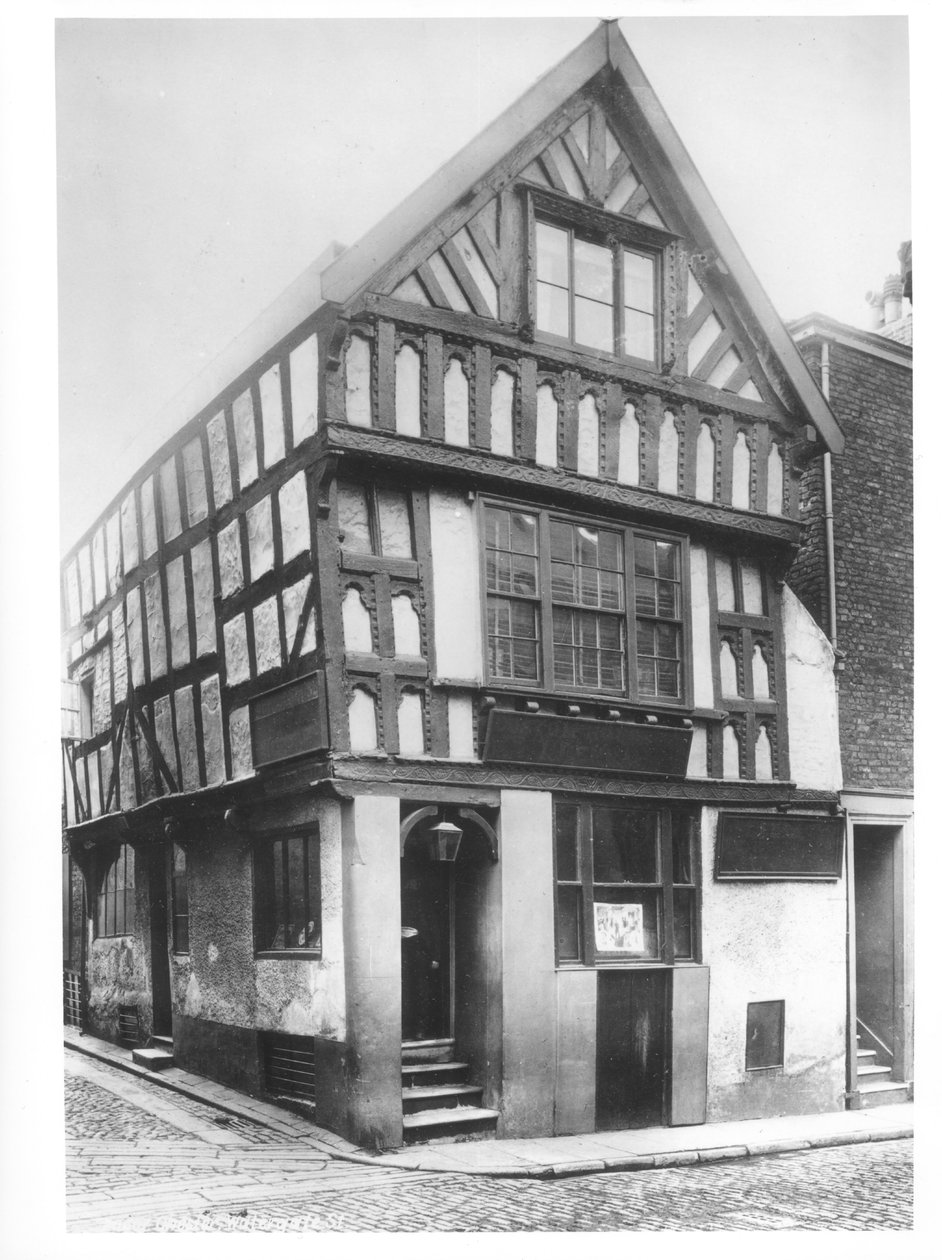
[546,679]
[664,886]
[599,227]
[109,900]
[275,915]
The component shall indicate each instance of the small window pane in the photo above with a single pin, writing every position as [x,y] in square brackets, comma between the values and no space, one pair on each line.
[680,846]
[567,864]
[395,525]
[683,922]
[645,556]
[627,921]
[624,846]
[646,597]
[639,334]
[593,271]
[594,326]
[523,533]
[639,282]
[552,254]
[353,518]
[552,310]
[569,923]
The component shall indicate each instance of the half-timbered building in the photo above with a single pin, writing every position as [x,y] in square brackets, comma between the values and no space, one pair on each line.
[447,748]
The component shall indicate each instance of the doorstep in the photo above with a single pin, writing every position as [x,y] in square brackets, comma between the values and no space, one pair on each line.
[539,1157]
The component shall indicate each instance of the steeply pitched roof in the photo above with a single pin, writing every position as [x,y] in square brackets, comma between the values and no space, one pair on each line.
[470,168]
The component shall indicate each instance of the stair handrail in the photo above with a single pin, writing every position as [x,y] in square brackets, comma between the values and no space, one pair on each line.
[874,1037]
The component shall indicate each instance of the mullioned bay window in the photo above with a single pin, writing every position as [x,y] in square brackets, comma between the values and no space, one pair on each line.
[576,606]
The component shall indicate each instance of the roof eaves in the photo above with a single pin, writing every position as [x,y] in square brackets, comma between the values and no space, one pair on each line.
[354,268]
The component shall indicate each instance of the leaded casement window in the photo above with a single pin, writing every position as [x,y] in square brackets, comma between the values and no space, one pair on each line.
[114,912]
[179,902]
[578,606]
[287,872]
[626,884]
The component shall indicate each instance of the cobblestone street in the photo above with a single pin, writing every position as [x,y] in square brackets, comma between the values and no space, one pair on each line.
[143,1159]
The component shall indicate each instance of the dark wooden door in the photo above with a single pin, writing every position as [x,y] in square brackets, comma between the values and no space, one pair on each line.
[631,1049]
[426,948]
[159,877]
[874,885]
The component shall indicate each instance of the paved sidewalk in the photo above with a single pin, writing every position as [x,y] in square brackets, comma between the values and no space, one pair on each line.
[542,1157]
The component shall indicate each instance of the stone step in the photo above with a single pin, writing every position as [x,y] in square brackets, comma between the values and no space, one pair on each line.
[453,1073]
[439,1050]
[449,1122]
[883,1093]
[871,1071]
[438,1097]
[152,1058]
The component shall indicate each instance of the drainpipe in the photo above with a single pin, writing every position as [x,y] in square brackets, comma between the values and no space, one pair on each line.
[852,1096]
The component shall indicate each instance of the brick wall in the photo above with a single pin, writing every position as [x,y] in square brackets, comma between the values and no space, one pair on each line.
[873,500]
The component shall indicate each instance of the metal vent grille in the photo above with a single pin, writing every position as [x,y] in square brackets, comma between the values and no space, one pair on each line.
[289,1066]
[72,998]
[129,1025]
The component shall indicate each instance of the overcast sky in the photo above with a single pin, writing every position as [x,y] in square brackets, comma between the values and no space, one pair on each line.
[204,164]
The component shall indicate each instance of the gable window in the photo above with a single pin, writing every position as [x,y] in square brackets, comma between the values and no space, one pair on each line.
[576,606]
[114,912]
[626,886]
[288,893]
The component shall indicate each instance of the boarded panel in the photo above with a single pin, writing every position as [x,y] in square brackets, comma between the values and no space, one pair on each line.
[289,720]
[575,1051]
[769,846]
[541,739]
[690,1000]
[631,1049]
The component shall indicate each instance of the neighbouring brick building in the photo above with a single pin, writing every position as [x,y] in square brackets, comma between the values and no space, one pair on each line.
[860,590]
[449,748]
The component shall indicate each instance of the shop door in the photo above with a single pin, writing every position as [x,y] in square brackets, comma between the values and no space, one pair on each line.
[427,948]
[875,910]
[631,1049]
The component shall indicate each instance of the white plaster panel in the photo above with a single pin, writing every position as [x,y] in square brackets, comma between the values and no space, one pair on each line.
[813,749]
[587,441]
[357,365]
[267,639]
[295,518]
[148,519]
[706,464]
[408,392]
[700,630]
[218,441]
[119,653]
[357,624]
[195,481]
[243,424]
[764,942]
[126,785]
[231,576]
[303,374]
[629,448]
[201,561]
[667,455]
[293,601]
[273,424]
[697,761]
[170,499]
[176,600]
[406,630]
[73,606]
[94,785]
[547,426]
[211,707]
[742,470]
[101,695]
[261,540]
[240,742]
[457,420]
[776,478]
[156,633]
[456,583]
[361,715]
[237,650]
[135,635]
[460,728]
[502,413]
[112,531]
[163,732]
[129,540]
[411,725]
[732,759]
[186,739]
[85,579]
[98,566]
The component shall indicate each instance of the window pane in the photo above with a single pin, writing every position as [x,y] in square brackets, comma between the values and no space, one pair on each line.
[566,829]
[639,282]
[645,556]
[561,541]
[593,271]
[552,310]
[668,678]
[279,896]
[353,517]
[563,579]
[552,254]
[395,526]
[639,334]
[667,554]
[680,850]
[647,676]
[627,921]
[297,890]
[523,533]
[646,596]
[594,325]
[667,599]
[624,846]
[683,922]
[568,922]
